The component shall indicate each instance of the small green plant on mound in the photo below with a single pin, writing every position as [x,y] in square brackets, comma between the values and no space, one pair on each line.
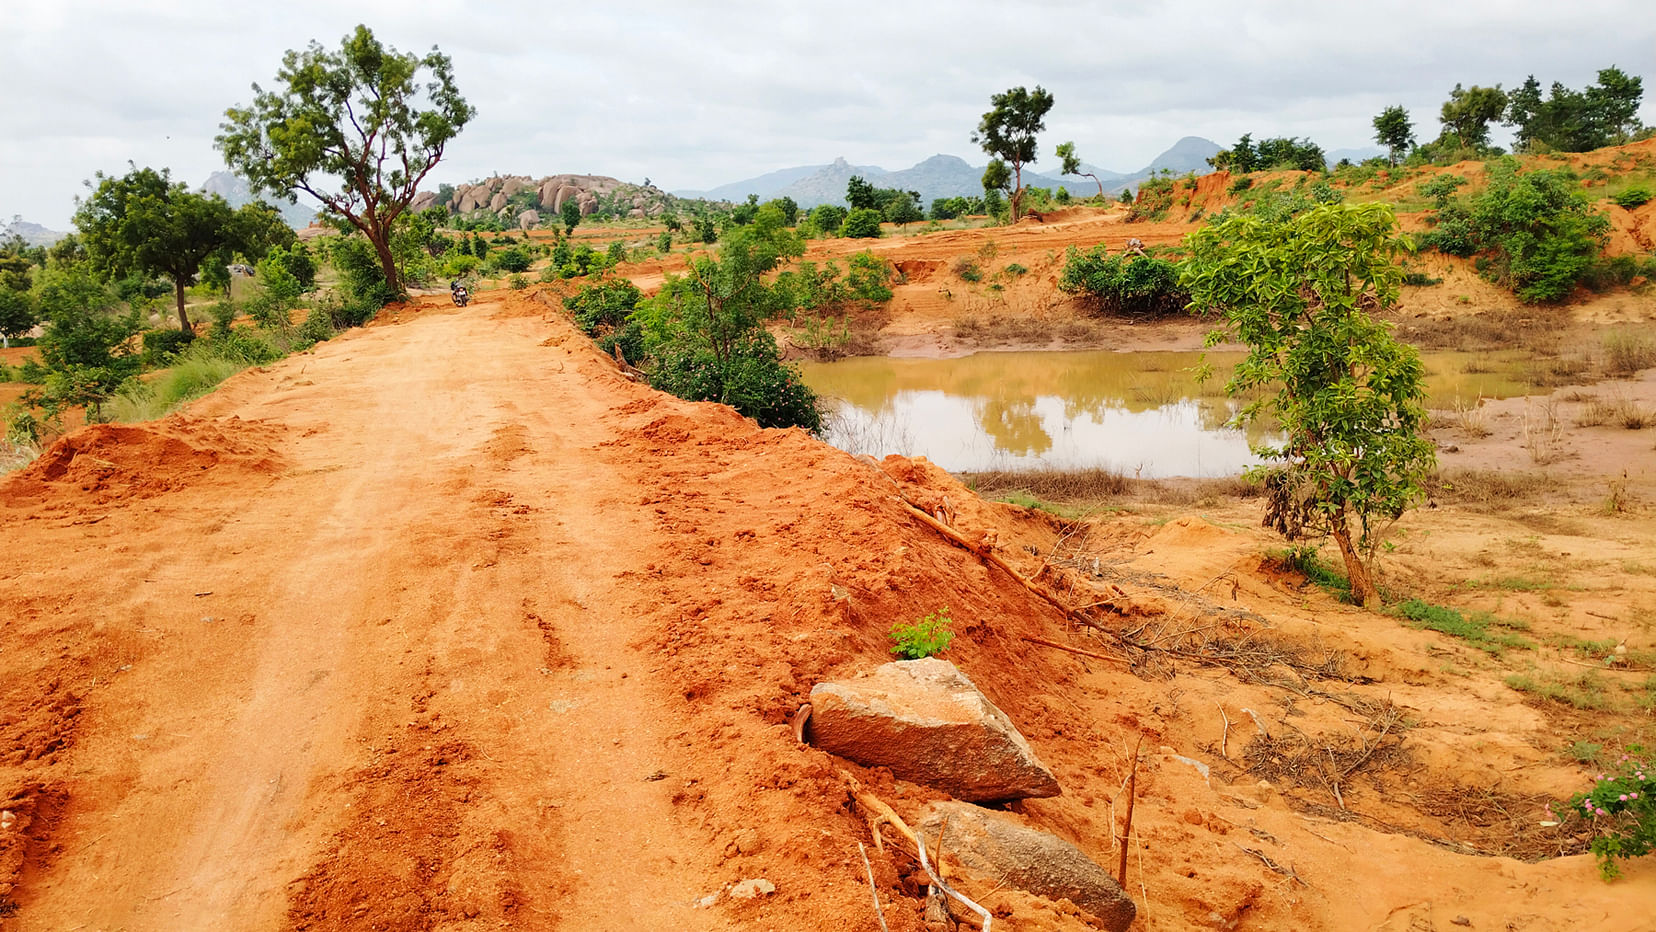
[1304,560]
[1636,196]
[1620,810]
[1474,629]
[925,638]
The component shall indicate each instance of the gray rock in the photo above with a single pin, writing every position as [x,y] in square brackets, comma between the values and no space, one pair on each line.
[497,202]
[927,722]
[528,220]
[998,847]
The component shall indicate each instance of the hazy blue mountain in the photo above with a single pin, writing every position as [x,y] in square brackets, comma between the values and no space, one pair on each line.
[33,233]
[948,176]
[237,191]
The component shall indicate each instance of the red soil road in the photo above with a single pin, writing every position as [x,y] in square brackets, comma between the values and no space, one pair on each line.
[445,625]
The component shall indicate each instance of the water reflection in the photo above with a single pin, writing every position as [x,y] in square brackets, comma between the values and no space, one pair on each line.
[1141,413]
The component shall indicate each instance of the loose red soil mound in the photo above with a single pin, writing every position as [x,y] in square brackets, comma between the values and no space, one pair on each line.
[511,641]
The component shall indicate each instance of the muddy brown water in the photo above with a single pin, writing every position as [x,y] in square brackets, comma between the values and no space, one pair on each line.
[1142,413]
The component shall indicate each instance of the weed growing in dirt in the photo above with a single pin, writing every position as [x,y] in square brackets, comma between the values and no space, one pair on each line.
[1584,692]
[1475,629]
[194,372]
[1305,560]
[1621,811]
[1626,352]
[925,638]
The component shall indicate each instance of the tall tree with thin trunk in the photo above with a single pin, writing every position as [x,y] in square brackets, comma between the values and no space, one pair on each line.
[1072,165]
[357,117]
[1393,130]
[1007,132]
[145,222]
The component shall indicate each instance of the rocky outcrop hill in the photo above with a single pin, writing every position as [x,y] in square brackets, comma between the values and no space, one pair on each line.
[512,197]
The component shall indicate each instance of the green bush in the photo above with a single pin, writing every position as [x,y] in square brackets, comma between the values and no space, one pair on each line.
[512,259]
[828,218]
[1240,184]
[194,372]
[1130,285]
[1536,233]
[604,304]
[160,346]
[925,638]
[360,277]
[1634,197]
[862,223]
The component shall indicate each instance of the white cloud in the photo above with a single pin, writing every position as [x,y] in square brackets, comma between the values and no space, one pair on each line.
[694,95]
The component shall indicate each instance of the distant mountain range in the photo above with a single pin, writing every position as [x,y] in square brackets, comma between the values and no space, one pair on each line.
[33,233]
[237,191]
[945,176]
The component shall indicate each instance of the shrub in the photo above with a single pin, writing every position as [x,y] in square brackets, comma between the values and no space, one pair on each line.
[1636,196]
[512,259]
[925,638]
[617,253]
[1537,234]
[1240,184]
[160,346]
[606,304]
[967,270]
[828,218]
[862,223]
[1132,285]
[1622,812]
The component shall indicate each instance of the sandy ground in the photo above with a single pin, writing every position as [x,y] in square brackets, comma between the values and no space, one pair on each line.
[446,625]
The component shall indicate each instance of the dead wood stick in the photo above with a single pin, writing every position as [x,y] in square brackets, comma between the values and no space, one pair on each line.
[884,813]
[1075,650]
[1127,825]
[985,553]
[873,890]
[1224,739]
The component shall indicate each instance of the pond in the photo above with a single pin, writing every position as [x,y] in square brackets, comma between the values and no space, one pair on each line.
[1142,414]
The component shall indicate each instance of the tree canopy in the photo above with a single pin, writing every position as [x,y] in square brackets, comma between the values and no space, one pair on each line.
[1348,396]
[1468,112]
[1566,120]
[1393,130]
[145,222]
[1007,132]
[1072,165]
[353,128]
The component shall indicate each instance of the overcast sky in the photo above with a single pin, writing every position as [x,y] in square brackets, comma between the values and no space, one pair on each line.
[694,94]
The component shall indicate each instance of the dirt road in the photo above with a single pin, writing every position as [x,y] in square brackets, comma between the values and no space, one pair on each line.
[446,625]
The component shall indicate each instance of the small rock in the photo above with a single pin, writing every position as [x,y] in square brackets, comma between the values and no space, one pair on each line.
[1192,817]
[1461,921]
[755,887]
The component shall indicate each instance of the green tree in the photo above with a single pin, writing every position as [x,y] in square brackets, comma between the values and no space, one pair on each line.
[1007,133]
[829,218]
[1240,159]
[570,214]
[255,229]
[1349,397]
[705,334]
[1469,111]
[1072,165]
[861,222]
[86,348]
[1567,120]
[145,222]
[905,209]
[350,117]
[1393,130]
[860,195]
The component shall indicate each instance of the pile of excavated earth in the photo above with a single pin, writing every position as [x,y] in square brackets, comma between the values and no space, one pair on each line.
[447,624]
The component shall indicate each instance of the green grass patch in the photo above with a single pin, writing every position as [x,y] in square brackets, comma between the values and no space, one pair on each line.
[194,372]
[1479,629]
[1305,561]
[1584,692]
[1512,584]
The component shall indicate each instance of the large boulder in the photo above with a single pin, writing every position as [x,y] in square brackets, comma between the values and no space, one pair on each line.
[927,722]
[422,201]
[498,202]
[528,220]
[549,193]
[999,848]
[513,186]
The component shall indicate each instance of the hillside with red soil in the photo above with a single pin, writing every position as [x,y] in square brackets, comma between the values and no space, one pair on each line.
[448,625]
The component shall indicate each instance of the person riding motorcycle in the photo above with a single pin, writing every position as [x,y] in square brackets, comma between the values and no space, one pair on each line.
[458,293]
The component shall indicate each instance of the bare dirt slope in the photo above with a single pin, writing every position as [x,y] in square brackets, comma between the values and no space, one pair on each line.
[446,625]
